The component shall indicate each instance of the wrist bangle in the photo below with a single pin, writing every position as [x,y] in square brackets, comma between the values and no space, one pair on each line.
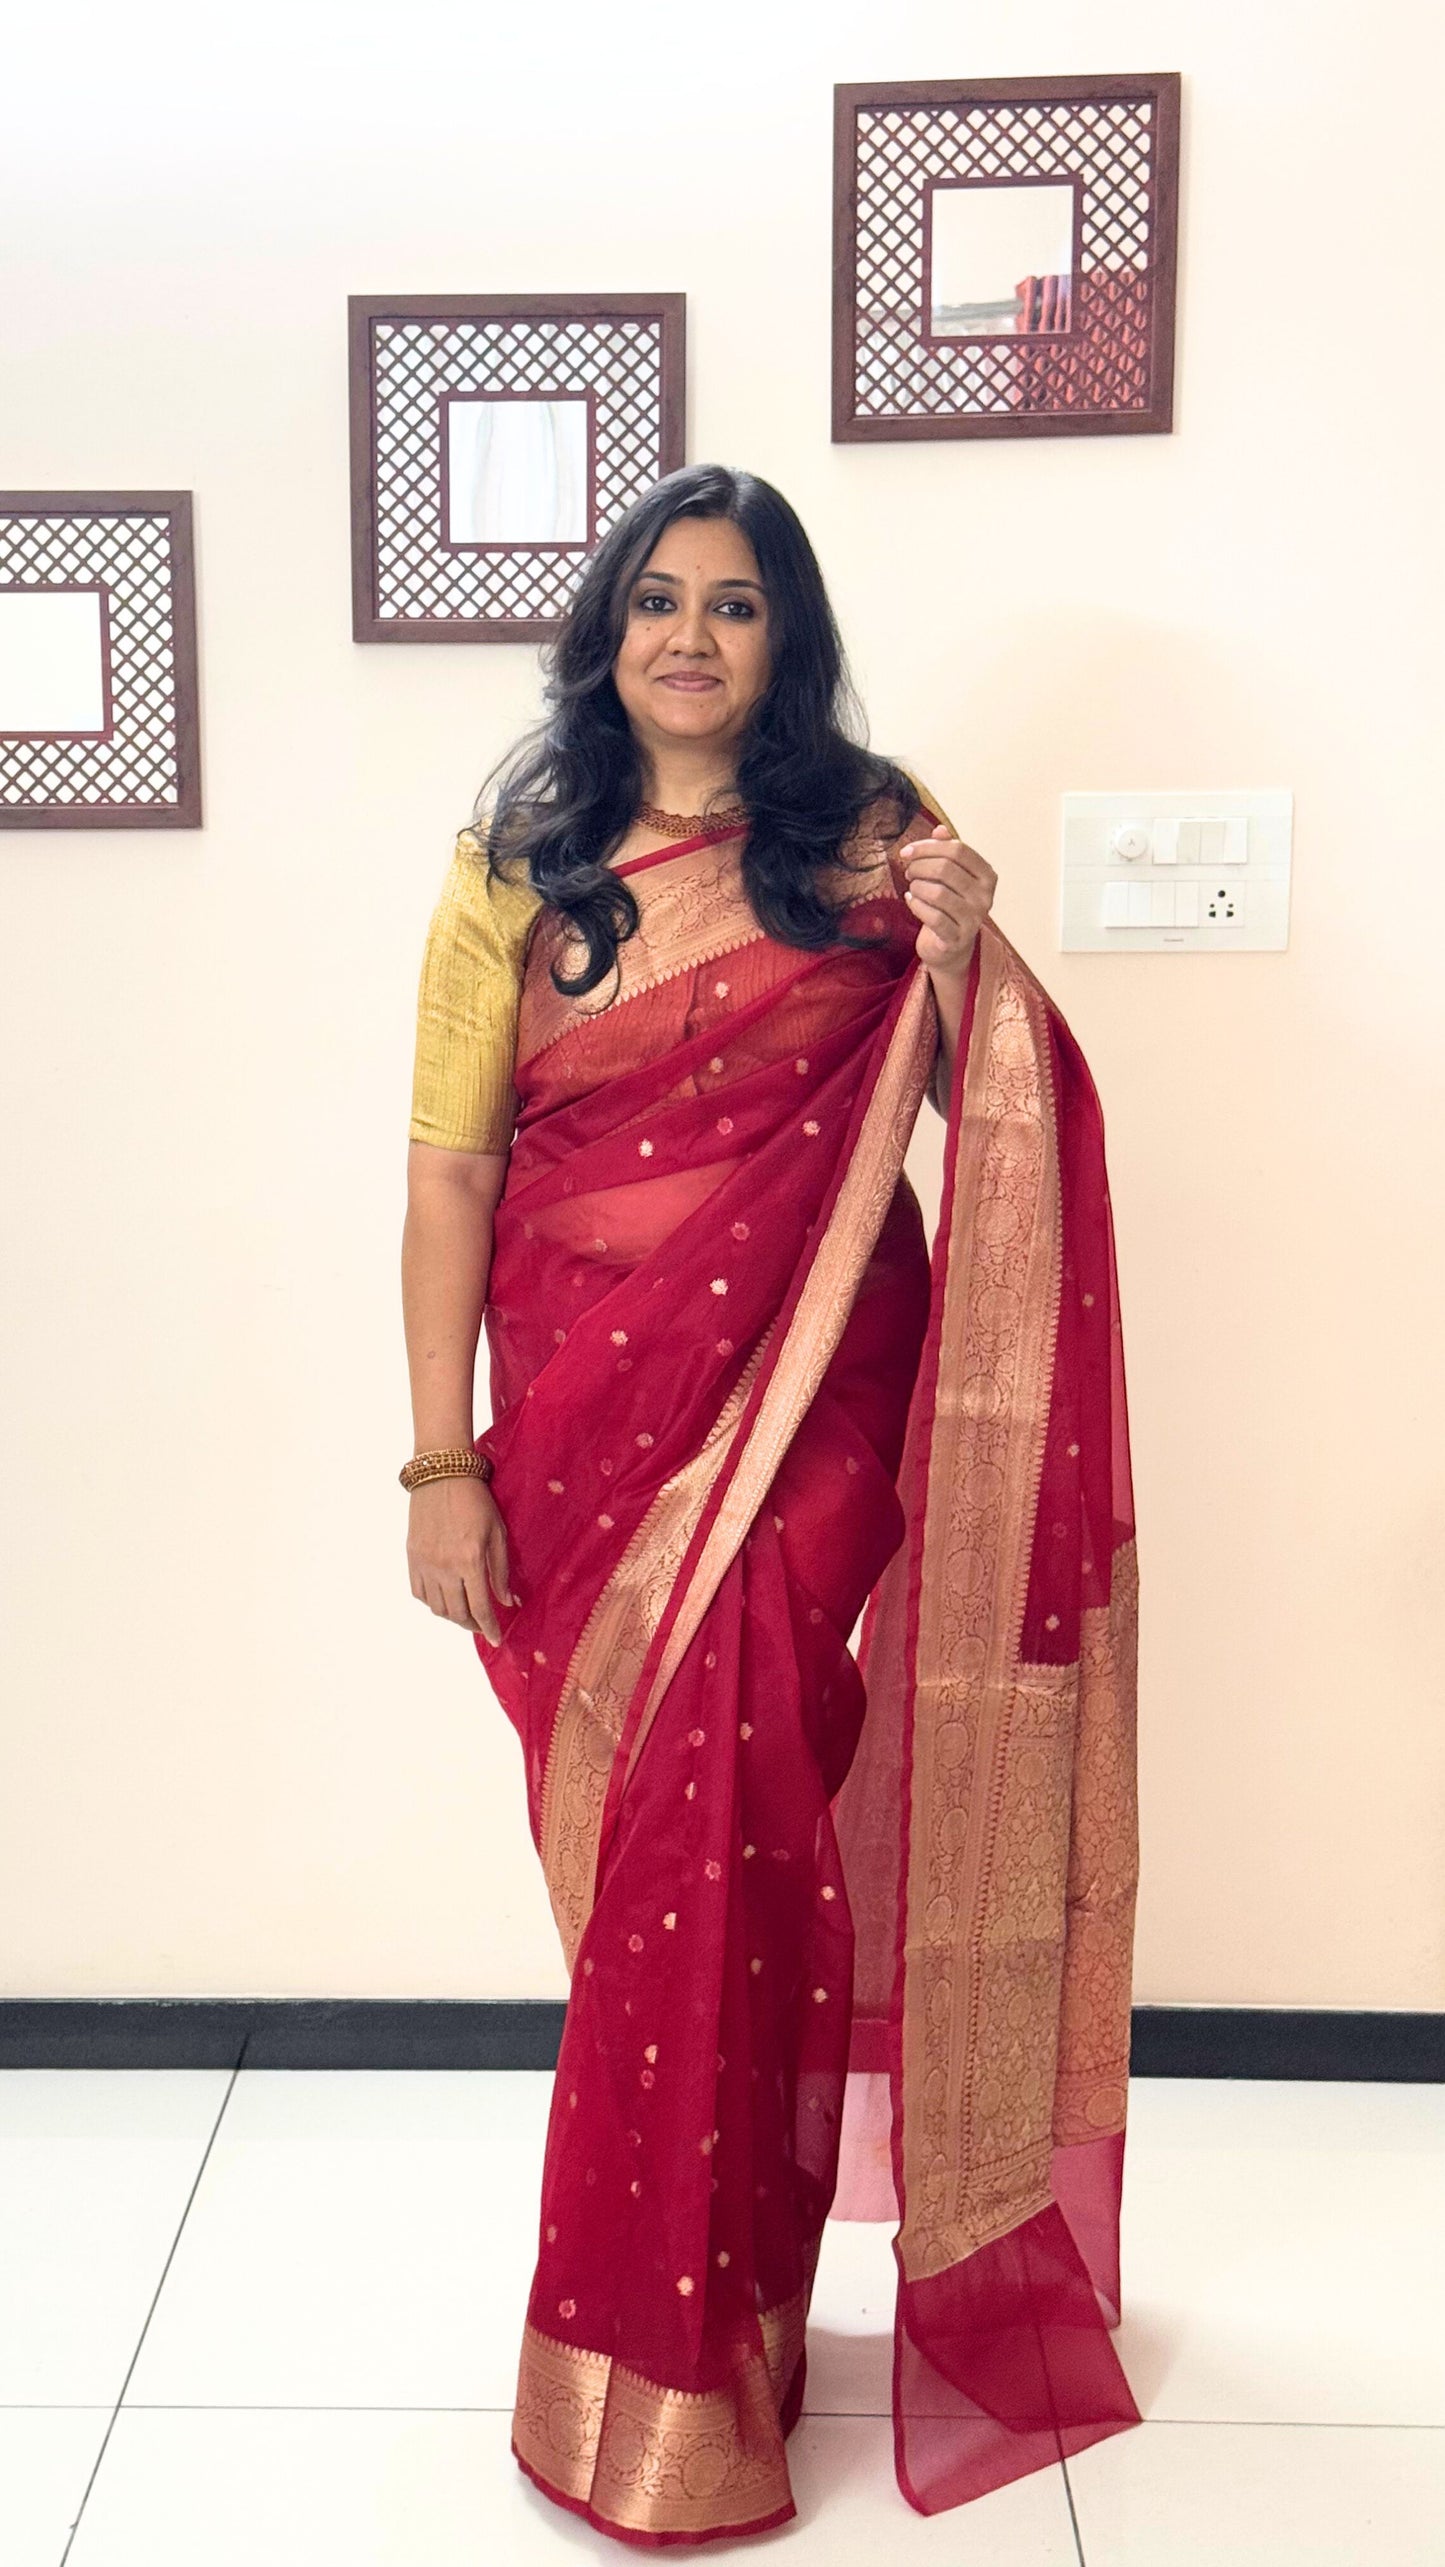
[456,1462]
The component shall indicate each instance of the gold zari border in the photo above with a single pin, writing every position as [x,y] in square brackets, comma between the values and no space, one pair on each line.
[656,2459]
[992,1738]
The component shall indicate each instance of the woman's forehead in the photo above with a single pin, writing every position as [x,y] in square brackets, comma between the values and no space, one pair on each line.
[703,548]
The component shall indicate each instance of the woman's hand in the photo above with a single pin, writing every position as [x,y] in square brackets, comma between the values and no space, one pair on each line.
[950,890]
[456,1548]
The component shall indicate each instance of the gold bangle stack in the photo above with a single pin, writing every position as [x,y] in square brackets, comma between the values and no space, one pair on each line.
[456,1463]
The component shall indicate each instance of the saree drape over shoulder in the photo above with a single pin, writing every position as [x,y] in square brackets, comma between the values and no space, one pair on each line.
[737,1404]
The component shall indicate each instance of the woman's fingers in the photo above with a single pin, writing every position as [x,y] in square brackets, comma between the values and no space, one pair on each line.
[954,862]
[942,898]
[457,1549]
[497,1566]
[480,1612]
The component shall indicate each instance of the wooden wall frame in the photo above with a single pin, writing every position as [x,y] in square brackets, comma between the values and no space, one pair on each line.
[1093,353]
[139,766]
[412,358]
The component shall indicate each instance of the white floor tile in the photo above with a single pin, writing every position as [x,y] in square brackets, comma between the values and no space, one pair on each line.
[360,2238]
[95,2167]
[1222,2495]
[298,2489]
[1284,2252]
[850,2325]
[850,2512]
[46,2457]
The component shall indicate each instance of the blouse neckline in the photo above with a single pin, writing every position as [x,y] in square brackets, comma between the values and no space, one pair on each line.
[680,847]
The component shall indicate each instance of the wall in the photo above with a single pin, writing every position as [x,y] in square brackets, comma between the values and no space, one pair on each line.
[240,1759]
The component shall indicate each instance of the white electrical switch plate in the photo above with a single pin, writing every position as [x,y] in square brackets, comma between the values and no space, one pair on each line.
[1226,890]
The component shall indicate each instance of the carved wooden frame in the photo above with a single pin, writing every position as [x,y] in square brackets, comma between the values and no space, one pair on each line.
[1115,139]
[142,769]
[410,355]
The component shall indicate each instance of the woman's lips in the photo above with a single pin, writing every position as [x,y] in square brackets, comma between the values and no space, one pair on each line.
[690,685]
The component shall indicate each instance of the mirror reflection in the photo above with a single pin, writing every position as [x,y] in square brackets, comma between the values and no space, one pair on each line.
[52,660]
[516,471]
[1001,259]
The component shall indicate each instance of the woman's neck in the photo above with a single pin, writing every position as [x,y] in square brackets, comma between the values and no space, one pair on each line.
[675,781]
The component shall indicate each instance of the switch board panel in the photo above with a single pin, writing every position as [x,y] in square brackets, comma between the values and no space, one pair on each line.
[1176,873]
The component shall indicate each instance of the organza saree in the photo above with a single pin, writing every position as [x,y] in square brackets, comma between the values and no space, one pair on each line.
[846,1933]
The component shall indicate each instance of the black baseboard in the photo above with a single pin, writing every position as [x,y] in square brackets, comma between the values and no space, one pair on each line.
[421,2032]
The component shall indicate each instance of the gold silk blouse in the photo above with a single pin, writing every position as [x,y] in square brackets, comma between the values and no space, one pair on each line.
[463,1096]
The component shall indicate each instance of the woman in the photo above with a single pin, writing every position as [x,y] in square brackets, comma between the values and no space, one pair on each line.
[683,995]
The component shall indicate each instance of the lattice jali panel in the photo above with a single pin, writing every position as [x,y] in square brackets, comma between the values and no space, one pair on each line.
[623,363]
[1117,153]
[143,772]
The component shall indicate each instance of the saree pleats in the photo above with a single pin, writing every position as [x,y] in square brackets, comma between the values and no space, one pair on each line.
[810,1904]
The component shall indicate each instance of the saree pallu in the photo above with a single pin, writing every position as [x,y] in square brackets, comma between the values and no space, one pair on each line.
[842,1932]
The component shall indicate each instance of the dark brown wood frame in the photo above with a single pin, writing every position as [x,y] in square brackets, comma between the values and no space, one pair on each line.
[1157,417]
[185,811]
[365,309]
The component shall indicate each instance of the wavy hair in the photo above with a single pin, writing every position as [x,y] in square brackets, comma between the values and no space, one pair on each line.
[560,802]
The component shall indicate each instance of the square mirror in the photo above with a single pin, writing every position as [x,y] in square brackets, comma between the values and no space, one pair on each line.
[494,440]
[1000,257]
[1003,257]
[54,681]
[515,469]
[99,712]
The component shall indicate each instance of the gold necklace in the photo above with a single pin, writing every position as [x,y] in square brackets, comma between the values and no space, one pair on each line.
[690,824]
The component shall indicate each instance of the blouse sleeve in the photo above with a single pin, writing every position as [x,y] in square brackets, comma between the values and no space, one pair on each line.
[463,1097]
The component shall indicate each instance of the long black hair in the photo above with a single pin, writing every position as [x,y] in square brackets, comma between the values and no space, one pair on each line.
[561,801]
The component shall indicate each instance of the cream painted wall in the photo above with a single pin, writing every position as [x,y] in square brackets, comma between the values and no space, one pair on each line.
[239,1758]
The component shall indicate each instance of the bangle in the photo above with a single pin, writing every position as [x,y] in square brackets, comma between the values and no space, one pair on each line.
[457,1462]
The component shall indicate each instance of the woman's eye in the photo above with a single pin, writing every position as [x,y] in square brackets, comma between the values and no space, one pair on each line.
[741,610]
[652,597]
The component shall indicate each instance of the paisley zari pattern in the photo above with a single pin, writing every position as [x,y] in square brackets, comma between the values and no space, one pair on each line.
[734,1404]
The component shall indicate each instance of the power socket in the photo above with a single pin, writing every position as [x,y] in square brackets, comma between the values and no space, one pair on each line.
[1225,906]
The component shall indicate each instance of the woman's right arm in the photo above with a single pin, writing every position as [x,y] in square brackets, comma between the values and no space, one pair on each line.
[456,1540]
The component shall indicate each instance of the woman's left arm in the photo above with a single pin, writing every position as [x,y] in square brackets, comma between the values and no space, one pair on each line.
[950,891]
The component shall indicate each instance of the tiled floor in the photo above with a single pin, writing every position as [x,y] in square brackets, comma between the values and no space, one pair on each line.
[272,2321]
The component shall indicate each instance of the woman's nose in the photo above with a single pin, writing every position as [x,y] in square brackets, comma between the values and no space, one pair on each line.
[690,632]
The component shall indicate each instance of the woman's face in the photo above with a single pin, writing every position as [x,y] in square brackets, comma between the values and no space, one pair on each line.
[694,658]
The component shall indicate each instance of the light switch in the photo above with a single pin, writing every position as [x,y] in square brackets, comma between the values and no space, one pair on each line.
[1214,876]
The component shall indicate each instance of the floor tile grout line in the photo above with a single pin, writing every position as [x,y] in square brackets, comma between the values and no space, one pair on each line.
[826,2415]
[1073,2511]
[154,2298]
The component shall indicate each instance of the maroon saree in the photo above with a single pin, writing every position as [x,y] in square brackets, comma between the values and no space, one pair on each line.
[735,1403]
